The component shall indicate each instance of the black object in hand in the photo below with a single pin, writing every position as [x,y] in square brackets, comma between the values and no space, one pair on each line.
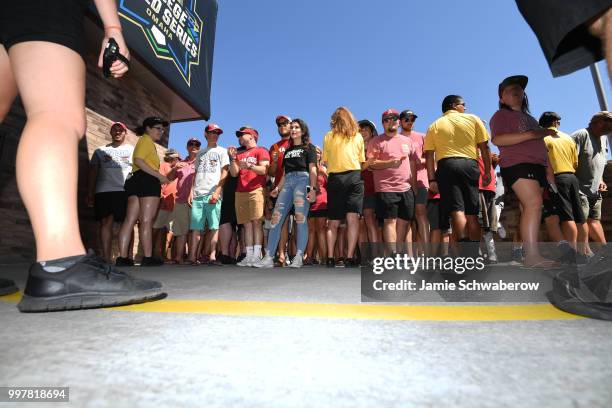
[111,54]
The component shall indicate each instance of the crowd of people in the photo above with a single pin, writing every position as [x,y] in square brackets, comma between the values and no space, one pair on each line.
[400,190]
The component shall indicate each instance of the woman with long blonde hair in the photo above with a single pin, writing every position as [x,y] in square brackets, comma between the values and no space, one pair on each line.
[344,153]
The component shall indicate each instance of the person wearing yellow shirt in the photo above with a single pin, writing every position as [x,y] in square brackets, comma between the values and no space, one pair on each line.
[563,157]
[452,143]
[344,153]
[143,189]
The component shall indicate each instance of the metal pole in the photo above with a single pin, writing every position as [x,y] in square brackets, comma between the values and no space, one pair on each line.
[601,95]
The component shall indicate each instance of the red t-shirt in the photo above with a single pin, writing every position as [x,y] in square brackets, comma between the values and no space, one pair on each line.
[248,180]
[280,147]
[168,191]
[368,183]
[321,201]
[491,185]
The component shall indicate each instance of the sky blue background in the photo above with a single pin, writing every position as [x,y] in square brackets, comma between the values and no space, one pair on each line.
[306,58]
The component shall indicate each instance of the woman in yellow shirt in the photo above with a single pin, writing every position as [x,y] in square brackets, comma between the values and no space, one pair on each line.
[143,189]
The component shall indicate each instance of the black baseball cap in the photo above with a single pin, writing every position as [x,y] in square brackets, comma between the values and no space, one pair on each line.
[154,120]
[520,80]
[407,113]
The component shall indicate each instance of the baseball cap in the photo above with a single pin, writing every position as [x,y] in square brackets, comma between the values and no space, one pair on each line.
[407,113]
[119,124]
[211,127]
[154,120]
[390,112]
[247,130]
[282,117]
[366,122]
[194,140]
[520,80]
[171,153]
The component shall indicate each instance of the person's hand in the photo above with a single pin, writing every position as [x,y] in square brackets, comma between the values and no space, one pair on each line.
[370,162]
[119,68]
[486,179]
[213,198]
[433,187]
[543,132]
[90,200]
[603,187]
[274,192]
[163,179]
[311,196]
[274,155]
[395,163]
[243,165]
[231,151]
[190,199]
[180,165]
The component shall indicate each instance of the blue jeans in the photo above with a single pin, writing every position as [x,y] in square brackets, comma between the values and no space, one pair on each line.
[293,193]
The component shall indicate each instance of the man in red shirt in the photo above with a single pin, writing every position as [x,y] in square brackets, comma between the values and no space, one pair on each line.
[251,167]
[277,153]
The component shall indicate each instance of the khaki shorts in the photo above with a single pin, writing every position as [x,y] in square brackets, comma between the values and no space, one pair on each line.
[591,207]
[249,206]
[163,220]
[182,216]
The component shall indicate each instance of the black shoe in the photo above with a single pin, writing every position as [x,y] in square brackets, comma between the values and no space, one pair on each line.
[330,263]
[124,261]
[89,283]
[7,287]
[151,261]
[226,260]
[351,263]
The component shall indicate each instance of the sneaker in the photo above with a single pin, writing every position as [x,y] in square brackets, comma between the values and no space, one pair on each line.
[296,262]
[266,262]
[226,260]
[517,255]
[89,283]
[124,261]
[351,263]
[246,261]
[330,263]
[7,287]
[151,261]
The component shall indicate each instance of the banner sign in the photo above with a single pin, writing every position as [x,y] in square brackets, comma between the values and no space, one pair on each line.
[176,39]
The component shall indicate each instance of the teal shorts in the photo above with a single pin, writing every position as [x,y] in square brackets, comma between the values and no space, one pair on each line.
[204,214]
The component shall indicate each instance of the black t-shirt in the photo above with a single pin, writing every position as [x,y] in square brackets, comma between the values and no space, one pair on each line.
[297,158]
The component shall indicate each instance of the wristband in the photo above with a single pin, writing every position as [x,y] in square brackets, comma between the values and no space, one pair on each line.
[111,27]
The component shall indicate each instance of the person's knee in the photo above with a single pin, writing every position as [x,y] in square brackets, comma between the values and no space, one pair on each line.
[299,217]
[276,217]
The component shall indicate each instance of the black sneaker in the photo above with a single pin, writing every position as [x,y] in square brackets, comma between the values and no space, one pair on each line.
[89,283]
[124,261]
[151,261]
[226,260]
[7,287]
[330,263]
[351,263]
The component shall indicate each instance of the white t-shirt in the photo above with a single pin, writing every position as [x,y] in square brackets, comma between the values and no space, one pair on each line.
[208,165]
[115,164]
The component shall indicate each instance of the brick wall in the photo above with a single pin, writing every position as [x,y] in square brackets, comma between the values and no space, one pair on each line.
[107,101]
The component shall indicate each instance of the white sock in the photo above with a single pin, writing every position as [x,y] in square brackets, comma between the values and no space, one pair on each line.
[257,251]
[299,253]
[249,252]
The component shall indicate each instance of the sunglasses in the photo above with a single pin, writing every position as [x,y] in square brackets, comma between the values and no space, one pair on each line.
[282,124]
[198,144]
[390,119]
[160,128]
[462,104]
[410,119]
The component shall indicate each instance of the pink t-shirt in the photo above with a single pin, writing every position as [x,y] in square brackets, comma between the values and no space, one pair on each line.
[417,143]
[248,180]
[184,181]
[392,180]
[532,151]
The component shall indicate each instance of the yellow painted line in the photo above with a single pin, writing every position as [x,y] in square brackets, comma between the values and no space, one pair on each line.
[15,297]
[454,312]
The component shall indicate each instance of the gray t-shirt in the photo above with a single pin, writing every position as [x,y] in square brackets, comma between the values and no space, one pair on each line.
[592,157]
[208,165]
[115,164]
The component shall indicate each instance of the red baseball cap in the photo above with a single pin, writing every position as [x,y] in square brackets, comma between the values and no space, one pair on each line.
[212,127]
[282,117]
[390,112]
[120,124]
[247,130]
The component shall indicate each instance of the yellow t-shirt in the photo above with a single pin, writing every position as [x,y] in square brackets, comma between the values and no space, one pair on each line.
[562,153]
[455,135]
[343,154]
[145,149]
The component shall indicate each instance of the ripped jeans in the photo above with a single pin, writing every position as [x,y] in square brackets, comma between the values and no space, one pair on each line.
[293,193]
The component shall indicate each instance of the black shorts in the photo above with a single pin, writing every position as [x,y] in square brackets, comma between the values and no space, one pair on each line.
[529,171]
[395,205]
[558,25]
[318,213]
[569,207]
[110,203]
[142,184]
[488,213]
[344,194]
[458,184]
[56,21]
[437,220]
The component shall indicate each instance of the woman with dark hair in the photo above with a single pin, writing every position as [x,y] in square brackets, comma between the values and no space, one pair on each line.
[297,187]
[523,161]
[143,188]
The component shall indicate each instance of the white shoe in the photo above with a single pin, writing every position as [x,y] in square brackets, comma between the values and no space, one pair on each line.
[245,262]
[266,262]
[297,262]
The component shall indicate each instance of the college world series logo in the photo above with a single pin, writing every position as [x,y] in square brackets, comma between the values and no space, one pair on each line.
[172,28]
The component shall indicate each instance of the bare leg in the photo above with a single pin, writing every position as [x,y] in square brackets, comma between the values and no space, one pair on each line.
[332,235]
[312,238]
[570,232]
[473,227]
[212,237]
[194,243]
[49,142]
[596,231]
[148,209]
[127,228]
[106,237]
[553,229]
[8,90]
[322,238]
[459,223]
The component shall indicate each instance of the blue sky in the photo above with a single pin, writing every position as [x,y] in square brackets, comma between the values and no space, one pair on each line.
[306,58]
